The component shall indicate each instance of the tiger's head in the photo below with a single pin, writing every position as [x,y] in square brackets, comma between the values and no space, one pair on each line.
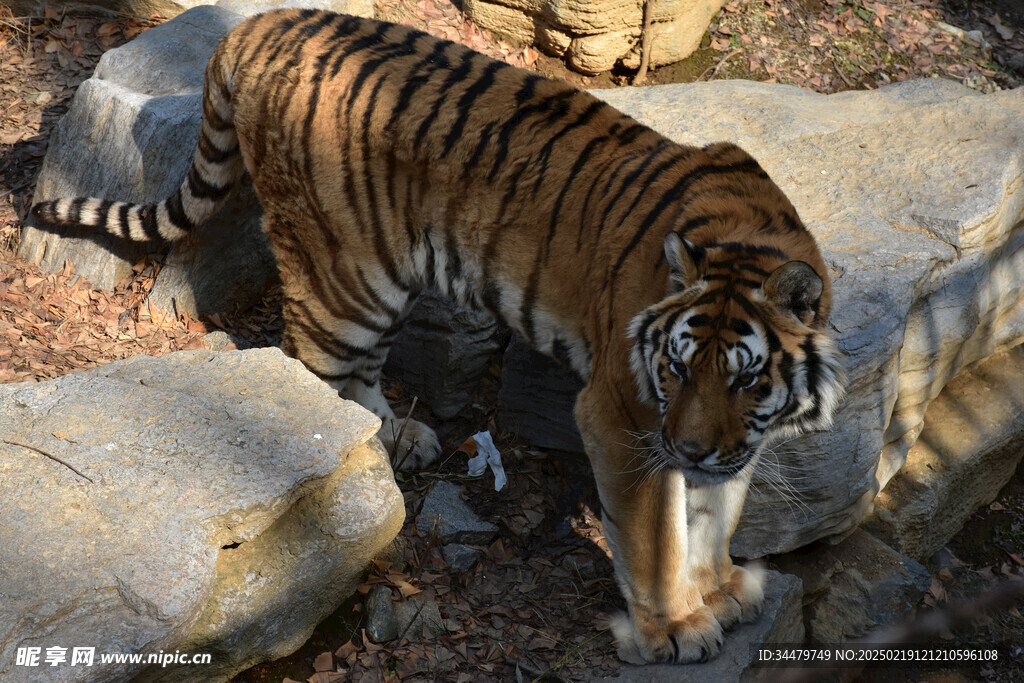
[735,355]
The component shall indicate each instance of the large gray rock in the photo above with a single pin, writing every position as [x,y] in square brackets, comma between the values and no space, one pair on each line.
[971,444]
[235,501]
[915,192]
[780,622]
[442,352]
[130,135]
[854,586]
[537,397]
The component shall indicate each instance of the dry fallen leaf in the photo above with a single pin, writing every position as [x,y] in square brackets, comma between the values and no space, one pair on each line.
[407,589]
[468,447]
[324,662]
[347,651]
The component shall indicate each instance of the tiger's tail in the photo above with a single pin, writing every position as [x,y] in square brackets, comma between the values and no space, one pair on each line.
[216,168]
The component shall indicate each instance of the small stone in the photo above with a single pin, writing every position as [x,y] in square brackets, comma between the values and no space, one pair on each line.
[456,522]
[581,564]
[461,558]
[216,340]
[416,614]
[130,134]
[381,619]
[944,559]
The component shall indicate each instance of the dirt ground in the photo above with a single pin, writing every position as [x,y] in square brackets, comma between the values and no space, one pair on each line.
[536,606]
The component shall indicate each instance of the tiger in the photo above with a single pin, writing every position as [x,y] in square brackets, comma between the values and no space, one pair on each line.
[678,282]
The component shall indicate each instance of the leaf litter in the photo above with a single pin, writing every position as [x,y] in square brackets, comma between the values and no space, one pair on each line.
[535,606]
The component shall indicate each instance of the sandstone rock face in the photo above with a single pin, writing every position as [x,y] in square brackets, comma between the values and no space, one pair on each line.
[780,622]
[510,21]
[914,193]
[595,35]
[235,501]
[595,53]
[677,38]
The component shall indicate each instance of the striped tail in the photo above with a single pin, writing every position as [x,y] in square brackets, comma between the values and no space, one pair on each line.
[215,169]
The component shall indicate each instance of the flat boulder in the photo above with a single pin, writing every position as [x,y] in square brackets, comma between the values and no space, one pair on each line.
[971,445]
[224,503]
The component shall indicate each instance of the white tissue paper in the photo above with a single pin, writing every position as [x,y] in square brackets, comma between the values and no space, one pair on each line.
[487,454]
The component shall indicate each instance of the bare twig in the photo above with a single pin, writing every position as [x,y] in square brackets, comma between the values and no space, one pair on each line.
[717,67]
[401,432]
[564,657]
[51,457]
[536,672]
[839,68]
[645,44]
[14,190]
[14,26]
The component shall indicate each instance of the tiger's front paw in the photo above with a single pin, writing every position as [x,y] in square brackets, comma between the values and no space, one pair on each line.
[697,637]
[739,599]
[417,448]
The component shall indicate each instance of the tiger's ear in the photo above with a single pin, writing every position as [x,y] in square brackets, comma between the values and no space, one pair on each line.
[684,260]
[796,288]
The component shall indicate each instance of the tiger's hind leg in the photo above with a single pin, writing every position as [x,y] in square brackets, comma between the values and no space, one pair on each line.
[341,328]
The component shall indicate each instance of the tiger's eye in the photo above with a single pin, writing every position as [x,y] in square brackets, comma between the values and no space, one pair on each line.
[678,369]
[745,381]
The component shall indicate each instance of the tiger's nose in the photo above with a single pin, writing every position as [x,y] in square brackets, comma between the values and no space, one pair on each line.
[692,451]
